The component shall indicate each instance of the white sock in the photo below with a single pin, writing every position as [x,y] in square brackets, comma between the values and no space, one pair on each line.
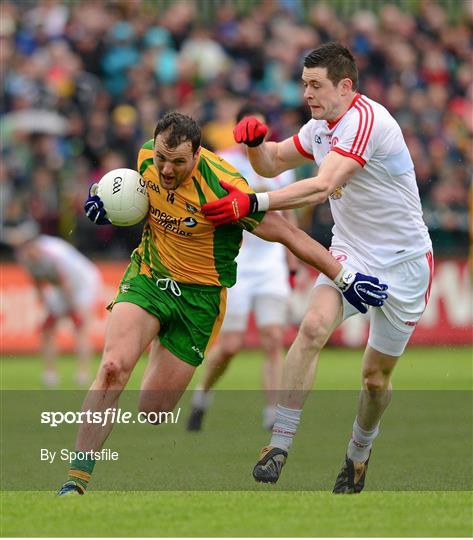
[360,443]
[201,399]
[50,378]
[269,417]
[285,427]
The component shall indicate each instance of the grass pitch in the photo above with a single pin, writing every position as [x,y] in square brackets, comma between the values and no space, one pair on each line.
[268,511]
[224,514]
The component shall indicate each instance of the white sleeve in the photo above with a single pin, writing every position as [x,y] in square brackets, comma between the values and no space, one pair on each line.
[303,141]
[356,140]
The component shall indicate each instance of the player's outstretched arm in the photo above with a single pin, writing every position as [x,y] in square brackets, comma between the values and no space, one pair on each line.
[335,171]
[268,159]
[358,289]
[275,228]
[94,209]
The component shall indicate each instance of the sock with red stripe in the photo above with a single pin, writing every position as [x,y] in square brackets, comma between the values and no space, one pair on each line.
[285,427]
[361,441]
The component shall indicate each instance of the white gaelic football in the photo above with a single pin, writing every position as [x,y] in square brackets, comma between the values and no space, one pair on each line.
[124,196]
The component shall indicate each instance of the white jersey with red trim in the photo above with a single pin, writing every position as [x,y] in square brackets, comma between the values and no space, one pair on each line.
[257,255]
[378,212]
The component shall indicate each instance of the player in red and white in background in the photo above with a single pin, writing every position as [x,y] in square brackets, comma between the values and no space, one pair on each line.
[264,272]
[68,286]
[366,172]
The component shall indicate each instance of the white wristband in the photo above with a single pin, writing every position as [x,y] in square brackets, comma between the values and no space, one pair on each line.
[344,279]
[263,201]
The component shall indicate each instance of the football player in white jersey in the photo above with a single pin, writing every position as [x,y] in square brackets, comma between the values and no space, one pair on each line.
[263,286]
[68,286]
[366,172]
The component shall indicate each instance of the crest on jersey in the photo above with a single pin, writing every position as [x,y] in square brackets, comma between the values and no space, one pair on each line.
[191,208]
[318,140]
[337,193]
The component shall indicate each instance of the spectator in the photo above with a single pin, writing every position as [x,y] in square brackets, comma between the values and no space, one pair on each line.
[112,69]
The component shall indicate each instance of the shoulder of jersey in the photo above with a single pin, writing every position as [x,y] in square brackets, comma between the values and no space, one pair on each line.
[207,154]
[371,112]
[215,161]
[145,156]
[367,107]
[148,145]
[146,150]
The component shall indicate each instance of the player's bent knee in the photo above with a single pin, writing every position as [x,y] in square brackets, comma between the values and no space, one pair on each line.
[273,340]
[377,377]
[113,373]
[274,349]
[376,382]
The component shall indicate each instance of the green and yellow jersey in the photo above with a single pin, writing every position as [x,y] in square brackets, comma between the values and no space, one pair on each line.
[178,241]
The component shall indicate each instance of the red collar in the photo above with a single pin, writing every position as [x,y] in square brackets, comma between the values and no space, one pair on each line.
[331,125]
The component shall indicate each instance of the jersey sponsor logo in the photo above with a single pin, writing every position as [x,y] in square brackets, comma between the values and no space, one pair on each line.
[168,222]
[191,208]
[317,139]
[117,184]
[153,186]
[190,222]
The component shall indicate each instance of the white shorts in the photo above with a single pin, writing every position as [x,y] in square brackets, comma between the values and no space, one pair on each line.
[264,293]
[85,298]
[409,287]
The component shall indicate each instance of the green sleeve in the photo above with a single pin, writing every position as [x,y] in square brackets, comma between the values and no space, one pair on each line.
[251,221]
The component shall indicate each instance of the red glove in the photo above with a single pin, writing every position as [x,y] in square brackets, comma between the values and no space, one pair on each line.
[230,208]
[250,131]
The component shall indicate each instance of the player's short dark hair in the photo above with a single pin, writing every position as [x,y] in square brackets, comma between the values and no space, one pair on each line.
[251,109]
[337,59]
[178,128]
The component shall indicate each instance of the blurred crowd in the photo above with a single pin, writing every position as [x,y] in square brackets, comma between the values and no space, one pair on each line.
[84,82]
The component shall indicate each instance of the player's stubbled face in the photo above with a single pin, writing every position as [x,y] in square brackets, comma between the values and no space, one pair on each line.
[321,95]
[174,165]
